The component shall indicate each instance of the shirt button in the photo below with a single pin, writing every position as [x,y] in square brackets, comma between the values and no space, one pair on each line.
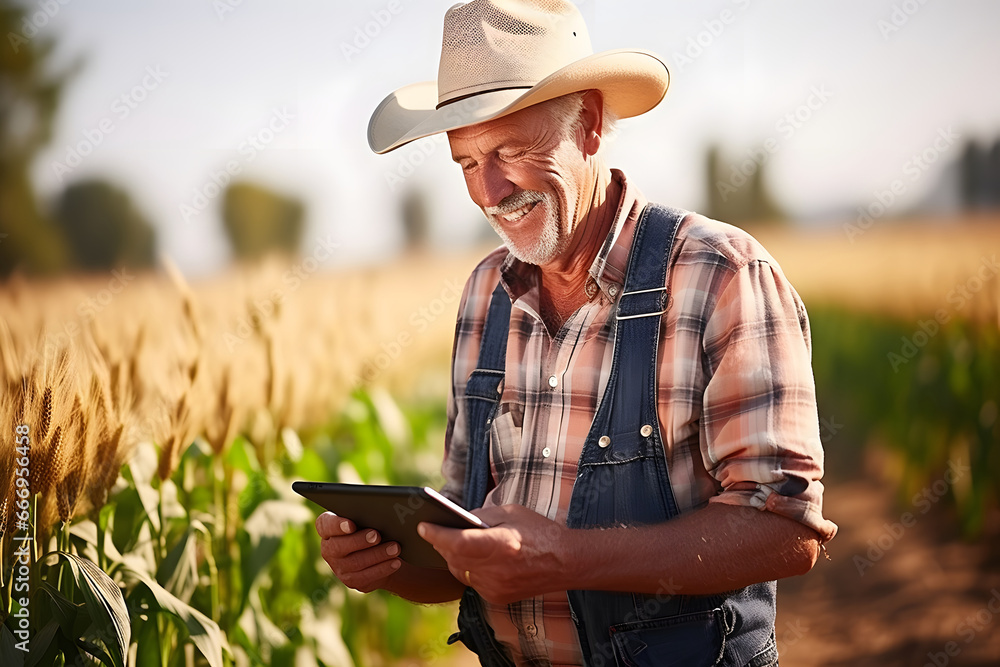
[553,381]
[604,441]
[546,452]
[646,431]
[613,290]
[530,630]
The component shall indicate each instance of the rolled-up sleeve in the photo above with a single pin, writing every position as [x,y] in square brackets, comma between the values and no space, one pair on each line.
[760,434]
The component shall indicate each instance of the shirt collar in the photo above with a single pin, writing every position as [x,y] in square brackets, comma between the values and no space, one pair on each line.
[607,272]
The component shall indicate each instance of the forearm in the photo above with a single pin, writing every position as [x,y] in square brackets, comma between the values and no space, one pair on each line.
[715,549]
[424,585]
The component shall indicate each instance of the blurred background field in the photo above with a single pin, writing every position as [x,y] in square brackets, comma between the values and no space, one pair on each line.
[210,288]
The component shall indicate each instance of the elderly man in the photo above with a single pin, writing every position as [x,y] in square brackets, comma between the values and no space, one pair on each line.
[632,408]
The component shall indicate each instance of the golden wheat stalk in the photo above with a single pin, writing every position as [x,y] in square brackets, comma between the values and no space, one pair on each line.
[77,466]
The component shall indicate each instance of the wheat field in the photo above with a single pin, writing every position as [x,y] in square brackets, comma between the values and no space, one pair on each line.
[100,368]
[96,365]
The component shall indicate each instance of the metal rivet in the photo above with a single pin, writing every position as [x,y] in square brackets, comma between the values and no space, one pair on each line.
[553,381]
[604,441]
[546,452]
[646,431]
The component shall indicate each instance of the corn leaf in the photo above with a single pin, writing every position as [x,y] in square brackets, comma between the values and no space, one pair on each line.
[178,572]
[203,631]
[106,605]
[9,654]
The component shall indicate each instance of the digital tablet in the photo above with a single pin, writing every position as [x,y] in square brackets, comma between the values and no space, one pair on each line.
[394,511]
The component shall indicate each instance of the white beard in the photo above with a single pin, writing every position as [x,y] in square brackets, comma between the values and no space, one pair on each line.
[548,244]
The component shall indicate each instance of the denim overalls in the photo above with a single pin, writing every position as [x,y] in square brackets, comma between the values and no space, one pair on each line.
[622,478]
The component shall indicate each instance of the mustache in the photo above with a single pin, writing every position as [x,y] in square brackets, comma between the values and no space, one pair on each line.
[513,202]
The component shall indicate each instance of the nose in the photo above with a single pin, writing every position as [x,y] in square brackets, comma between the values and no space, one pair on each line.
[489,185]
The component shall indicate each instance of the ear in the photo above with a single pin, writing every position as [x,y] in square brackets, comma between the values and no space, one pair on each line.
[592,120]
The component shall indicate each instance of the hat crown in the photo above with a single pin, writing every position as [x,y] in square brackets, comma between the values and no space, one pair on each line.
[499,44]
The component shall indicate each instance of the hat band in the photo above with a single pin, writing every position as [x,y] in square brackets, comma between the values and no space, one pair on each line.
[480,92]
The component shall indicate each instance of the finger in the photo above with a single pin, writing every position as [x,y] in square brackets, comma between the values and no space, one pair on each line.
[468,542]
[368,558]
[344,545]
[371,578]
[440,537]
[329,524]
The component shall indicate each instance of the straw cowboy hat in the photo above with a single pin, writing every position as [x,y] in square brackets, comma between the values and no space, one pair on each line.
[500,56]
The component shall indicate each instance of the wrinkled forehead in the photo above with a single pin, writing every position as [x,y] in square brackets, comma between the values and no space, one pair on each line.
[532,122]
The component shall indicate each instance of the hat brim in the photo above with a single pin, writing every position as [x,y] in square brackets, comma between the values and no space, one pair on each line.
[633,82]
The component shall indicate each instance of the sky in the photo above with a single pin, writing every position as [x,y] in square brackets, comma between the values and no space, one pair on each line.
[174,97]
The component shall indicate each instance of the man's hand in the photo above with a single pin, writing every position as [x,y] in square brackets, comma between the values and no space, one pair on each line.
[357,557]
[521,555]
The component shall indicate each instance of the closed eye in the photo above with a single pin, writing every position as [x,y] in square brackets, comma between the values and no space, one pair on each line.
[511,156]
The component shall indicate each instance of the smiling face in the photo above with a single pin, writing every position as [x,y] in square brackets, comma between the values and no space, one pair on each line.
[528,172]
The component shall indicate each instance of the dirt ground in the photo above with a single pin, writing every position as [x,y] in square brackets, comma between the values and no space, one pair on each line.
[923,596]
[924,591]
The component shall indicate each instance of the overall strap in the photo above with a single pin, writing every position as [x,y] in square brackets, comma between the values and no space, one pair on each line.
[482,396]
[630,398]
[643,301]
[622,476]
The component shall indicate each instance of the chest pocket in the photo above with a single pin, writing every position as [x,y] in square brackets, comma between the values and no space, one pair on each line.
[505,435]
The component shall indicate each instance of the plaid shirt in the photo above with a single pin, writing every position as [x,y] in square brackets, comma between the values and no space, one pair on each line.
[737,406]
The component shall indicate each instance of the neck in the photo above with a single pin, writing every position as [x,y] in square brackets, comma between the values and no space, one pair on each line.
[563,280]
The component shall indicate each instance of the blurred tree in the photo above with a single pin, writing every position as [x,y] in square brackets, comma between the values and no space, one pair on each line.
[980,174]
[993,175]
[973,175]
[103,228]
[738,192]
[29,96]
[258,220]
[416,219]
